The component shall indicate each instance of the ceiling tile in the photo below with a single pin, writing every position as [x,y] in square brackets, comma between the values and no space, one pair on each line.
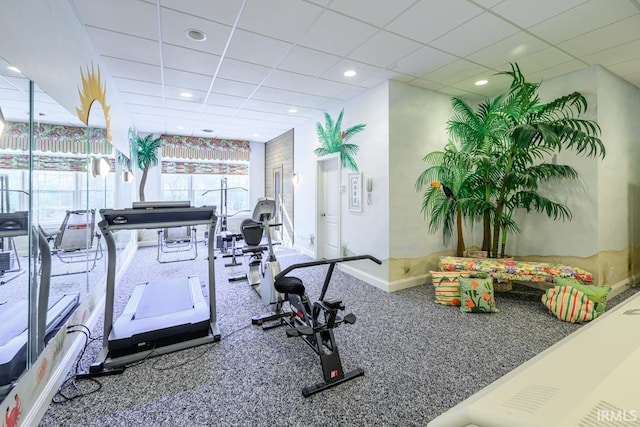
[336,34]
[175,26]
[510,49]
[454,72]
[180,58]
[325,88]
[122,16]
[621,53]
[246,72]
[627,70]
[582,19]
[265,93]
[603,38]
[186,79]
[224,12]
[307,61]
[136,86]
[288,81]
[384,49]
[528,13]
[545,58]
[225,100]
[258,49]
[232,87]
[473,35]
[429,19]
[379,15]
[274,18]
[124,46]
[307,100]
[423,61]
[132,70]
[336,73]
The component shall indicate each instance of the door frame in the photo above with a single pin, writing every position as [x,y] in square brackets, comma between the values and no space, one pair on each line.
[320,186]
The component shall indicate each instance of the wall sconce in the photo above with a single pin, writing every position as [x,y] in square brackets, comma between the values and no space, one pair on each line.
[295,178]
[2,122]
[99,166]
[127,176]
[369,190]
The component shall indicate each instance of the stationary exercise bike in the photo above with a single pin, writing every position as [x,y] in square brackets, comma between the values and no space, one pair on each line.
[315,323]
[264,212]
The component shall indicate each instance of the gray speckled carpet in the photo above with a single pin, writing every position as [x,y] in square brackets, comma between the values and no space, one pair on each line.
[419,358]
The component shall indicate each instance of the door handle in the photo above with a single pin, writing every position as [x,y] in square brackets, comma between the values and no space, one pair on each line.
[323,215]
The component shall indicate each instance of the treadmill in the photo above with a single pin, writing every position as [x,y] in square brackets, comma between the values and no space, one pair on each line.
[162,316]
[53,311]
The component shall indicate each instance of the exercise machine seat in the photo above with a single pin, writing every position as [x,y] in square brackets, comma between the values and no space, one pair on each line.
[251,232]
[289,285]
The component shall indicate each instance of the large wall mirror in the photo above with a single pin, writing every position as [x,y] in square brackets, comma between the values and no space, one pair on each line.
[52,187]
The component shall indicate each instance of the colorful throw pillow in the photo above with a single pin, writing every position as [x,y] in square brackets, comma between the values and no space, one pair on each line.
[447,286]
[569,304]
[597,294]
[476,295]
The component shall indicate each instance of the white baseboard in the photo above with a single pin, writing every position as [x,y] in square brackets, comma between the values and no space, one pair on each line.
[621,286]
[410,282]
[365,277]
[303,250]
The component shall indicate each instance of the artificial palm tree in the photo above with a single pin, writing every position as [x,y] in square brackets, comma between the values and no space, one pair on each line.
[146,156]
[533,131]
[446,179]
[478,133]
[333,140]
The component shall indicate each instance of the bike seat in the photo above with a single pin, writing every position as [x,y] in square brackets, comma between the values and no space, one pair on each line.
[289,285]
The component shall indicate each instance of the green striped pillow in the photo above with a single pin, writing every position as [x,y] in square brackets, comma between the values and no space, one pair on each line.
[569,304]
[447,286]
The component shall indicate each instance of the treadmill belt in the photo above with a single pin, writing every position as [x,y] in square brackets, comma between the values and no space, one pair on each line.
[14,317]
[164,297]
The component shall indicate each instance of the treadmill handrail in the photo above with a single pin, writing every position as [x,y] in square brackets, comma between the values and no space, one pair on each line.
[136,219]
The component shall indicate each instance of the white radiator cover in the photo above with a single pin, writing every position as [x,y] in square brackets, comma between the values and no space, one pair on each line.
[589,379]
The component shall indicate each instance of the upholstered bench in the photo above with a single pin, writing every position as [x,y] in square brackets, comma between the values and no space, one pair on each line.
[503,270]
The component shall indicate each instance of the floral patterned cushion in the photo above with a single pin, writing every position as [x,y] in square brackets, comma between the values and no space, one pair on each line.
[525,271]
[476,295]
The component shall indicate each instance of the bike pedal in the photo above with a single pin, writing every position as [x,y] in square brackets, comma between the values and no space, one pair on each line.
[292,332]
[350,318]
[304,330]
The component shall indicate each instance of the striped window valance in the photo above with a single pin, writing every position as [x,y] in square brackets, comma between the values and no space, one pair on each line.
[188,147]
[55,139]
[205,168]
[49,163]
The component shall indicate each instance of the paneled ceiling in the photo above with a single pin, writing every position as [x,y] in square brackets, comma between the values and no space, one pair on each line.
[266,66]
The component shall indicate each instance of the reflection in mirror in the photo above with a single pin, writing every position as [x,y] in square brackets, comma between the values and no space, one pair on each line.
[14,247]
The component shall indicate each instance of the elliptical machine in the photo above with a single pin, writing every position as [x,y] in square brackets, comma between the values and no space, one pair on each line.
[264,211]
[315,323]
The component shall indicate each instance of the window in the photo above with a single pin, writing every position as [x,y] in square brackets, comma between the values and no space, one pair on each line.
[204,190]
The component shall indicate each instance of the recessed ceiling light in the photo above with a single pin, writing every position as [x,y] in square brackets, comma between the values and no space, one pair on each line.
[256,134]
[481,82]
[180,127]
[349,73]
[293,110]
[207,130]
[186,95]
[196,35]
[14,69]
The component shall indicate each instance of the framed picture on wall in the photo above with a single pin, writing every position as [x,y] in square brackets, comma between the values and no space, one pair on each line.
[355,192]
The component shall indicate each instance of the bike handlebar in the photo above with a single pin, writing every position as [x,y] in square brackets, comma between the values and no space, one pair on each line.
[324,262]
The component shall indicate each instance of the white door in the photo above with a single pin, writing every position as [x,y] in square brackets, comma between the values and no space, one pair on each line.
[328,215]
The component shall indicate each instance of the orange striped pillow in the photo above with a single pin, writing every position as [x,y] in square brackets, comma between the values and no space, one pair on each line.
[447,286]
[569,304]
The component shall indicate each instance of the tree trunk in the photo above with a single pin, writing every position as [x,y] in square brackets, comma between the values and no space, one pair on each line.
[143,181]
[486,233]
[461,247]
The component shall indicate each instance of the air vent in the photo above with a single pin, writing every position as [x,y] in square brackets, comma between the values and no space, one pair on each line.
[604,414]
[632,312]
[531,398]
